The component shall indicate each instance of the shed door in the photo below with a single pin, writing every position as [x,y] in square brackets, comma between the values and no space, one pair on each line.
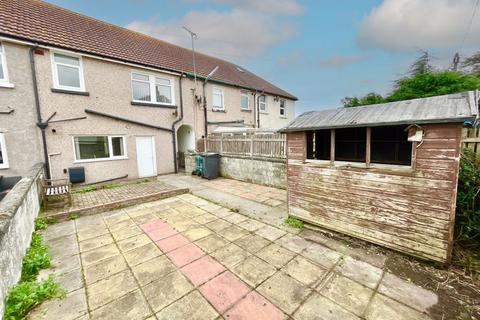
[146,160]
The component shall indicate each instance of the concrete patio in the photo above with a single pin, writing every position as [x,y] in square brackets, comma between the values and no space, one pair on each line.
[187,258]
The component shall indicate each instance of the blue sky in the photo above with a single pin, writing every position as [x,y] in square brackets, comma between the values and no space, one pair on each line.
[320,51]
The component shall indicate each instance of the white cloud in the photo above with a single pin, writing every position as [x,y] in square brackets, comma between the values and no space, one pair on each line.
[236,35]
[340,61]
[288,7]
[406,25]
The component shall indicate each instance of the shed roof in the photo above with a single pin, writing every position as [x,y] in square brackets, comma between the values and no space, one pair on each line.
[439,109]
[47,24]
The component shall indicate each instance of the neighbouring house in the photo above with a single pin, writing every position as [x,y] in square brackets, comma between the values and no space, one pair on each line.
[384,173]
[112,101]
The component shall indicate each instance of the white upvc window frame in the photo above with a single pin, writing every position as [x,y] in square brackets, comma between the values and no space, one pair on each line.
[243,95]
[152,81]
[4,82]
[56,83]
[3,147]
[284,108]
[222,94]
[260,103]
[110,148]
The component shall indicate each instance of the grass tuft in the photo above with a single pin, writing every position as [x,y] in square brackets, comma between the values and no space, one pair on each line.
[36,259]
[43,223]
[294,223]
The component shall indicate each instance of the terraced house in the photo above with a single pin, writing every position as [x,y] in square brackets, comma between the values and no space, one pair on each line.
[78,92]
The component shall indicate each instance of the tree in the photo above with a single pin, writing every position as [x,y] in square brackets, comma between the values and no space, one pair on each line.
[472,64]
[371,98]
[421,65]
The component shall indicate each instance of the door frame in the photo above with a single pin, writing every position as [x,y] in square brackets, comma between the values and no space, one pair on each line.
[154,153]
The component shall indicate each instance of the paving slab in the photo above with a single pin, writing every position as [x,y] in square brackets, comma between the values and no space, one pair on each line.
[254,271]
[321,255]
[233,233]
[186,254]
[408,293]
[96,255]
[95,243]
[251,225]
[109,289]
[59,230]
[202,270]
[63,246]
[71,281]
[347,293]
[132,306]
[224,291]
[197,233]
[73,306]
[133,242]
[304,271]
[193,306]
[319,307]
[293,242]
[65,264]
[252,243]
[205,218]
[152,270]
[211,243]
[360,271]
[230,255]
[218,225]
[254,306]
[383,307]
[172,243]
[285,292]
[235,218]
[169,288]
[270,233]
[275,255]
[104,269]
[142,254]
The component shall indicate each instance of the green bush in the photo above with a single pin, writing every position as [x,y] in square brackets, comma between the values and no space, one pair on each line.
[467,219]
[35,259]
[26,295]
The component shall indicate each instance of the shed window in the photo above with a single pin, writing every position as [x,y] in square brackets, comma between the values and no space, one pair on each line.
[350,144]
[99,148]
[390,145]
[3,153]
[318,144]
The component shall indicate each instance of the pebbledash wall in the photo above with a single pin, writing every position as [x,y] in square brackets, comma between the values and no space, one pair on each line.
[18,211]
[269,172]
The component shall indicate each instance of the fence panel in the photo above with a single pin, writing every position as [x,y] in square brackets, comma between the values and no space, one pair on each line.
[249,145]
[471,139]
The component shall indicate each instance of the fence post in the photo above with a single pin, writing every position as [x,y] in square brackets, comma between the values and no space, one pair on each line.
[221,143]
[251,145]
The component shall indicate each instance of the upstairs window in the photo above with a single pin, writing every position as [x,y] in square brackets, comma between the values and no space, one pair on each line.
[67,72]
[350,144]
[3,153]
[283,109]
[244,101]
[88,148]
[262,103]
[151,89]
[3,66]
[218,99]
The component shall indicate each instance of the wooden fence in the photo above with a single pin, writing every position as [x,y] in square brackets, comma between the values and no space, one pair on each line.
[254,145]
[471,139]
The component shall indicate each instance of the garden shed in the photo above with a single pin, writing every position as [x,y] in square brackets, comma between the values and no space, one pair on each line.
[383,173]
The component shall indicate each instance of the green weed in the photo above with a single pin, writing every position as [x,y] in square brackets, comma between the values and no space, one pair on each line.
[73,216]
[44,222]
[35,259]
[294,223]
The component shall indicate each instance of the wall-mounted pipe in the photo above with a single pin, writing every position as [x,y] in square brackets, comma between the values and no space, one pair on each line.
[42,125]
[174,131]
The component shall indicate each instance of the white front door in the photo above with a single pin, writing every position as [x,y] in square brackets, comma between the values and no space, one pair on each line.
[146,160]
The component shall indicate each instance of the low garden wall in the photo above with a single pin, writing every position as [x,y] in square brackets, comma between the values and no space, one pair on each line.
[265,171]
[18,211]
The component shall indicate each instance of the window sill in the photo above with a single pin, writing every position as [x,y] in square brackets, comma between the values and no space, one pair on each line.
[7,85]
[263,112]
[152,104]
[360,165]
[4,168]
[246,110]
[283,117]
[218,110]
[78,93]
[100,160]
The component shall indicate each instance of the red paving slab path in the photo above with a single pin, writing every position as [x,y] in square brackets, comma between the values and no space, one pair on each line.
[227,293]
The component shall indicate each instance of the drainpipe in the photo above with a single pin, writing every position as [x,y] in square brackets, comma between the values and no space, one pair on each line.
[174,133]
[205,105]
[254,109]
[258,107]
[40,123]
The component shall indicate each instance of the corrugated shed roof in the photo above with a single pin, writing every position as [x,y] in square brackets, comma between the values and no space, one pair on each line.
[47,24]
[439,109]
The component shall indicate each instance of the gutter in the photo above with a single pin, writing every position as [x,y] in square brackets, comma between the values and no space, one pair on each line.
[40,123]
[227,122]
[174,133]
[106,115]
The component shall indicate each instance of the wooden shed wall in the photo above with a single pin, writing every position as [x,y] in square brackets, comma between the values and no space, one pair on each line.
[411,211]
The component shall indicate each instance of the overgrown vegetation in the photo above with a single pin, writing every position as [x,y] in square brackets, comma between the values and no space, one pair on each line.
[423,80]
[87,189]
[29,292]
[26,295]
[44,222]
[294,223]
[468,201]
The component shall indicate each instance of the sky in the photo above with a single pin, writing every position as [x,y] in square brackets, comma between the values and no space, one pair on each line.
[318,50]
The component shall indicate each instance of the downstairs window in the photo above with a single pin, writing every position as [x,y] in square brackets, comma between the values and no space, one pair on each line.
[89,148]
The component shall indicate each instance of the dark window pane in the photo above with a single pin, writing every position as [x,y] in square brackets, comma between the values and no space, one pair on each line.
[350,144]
[390,145]
[117,146]
[322,144]
[91,147]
